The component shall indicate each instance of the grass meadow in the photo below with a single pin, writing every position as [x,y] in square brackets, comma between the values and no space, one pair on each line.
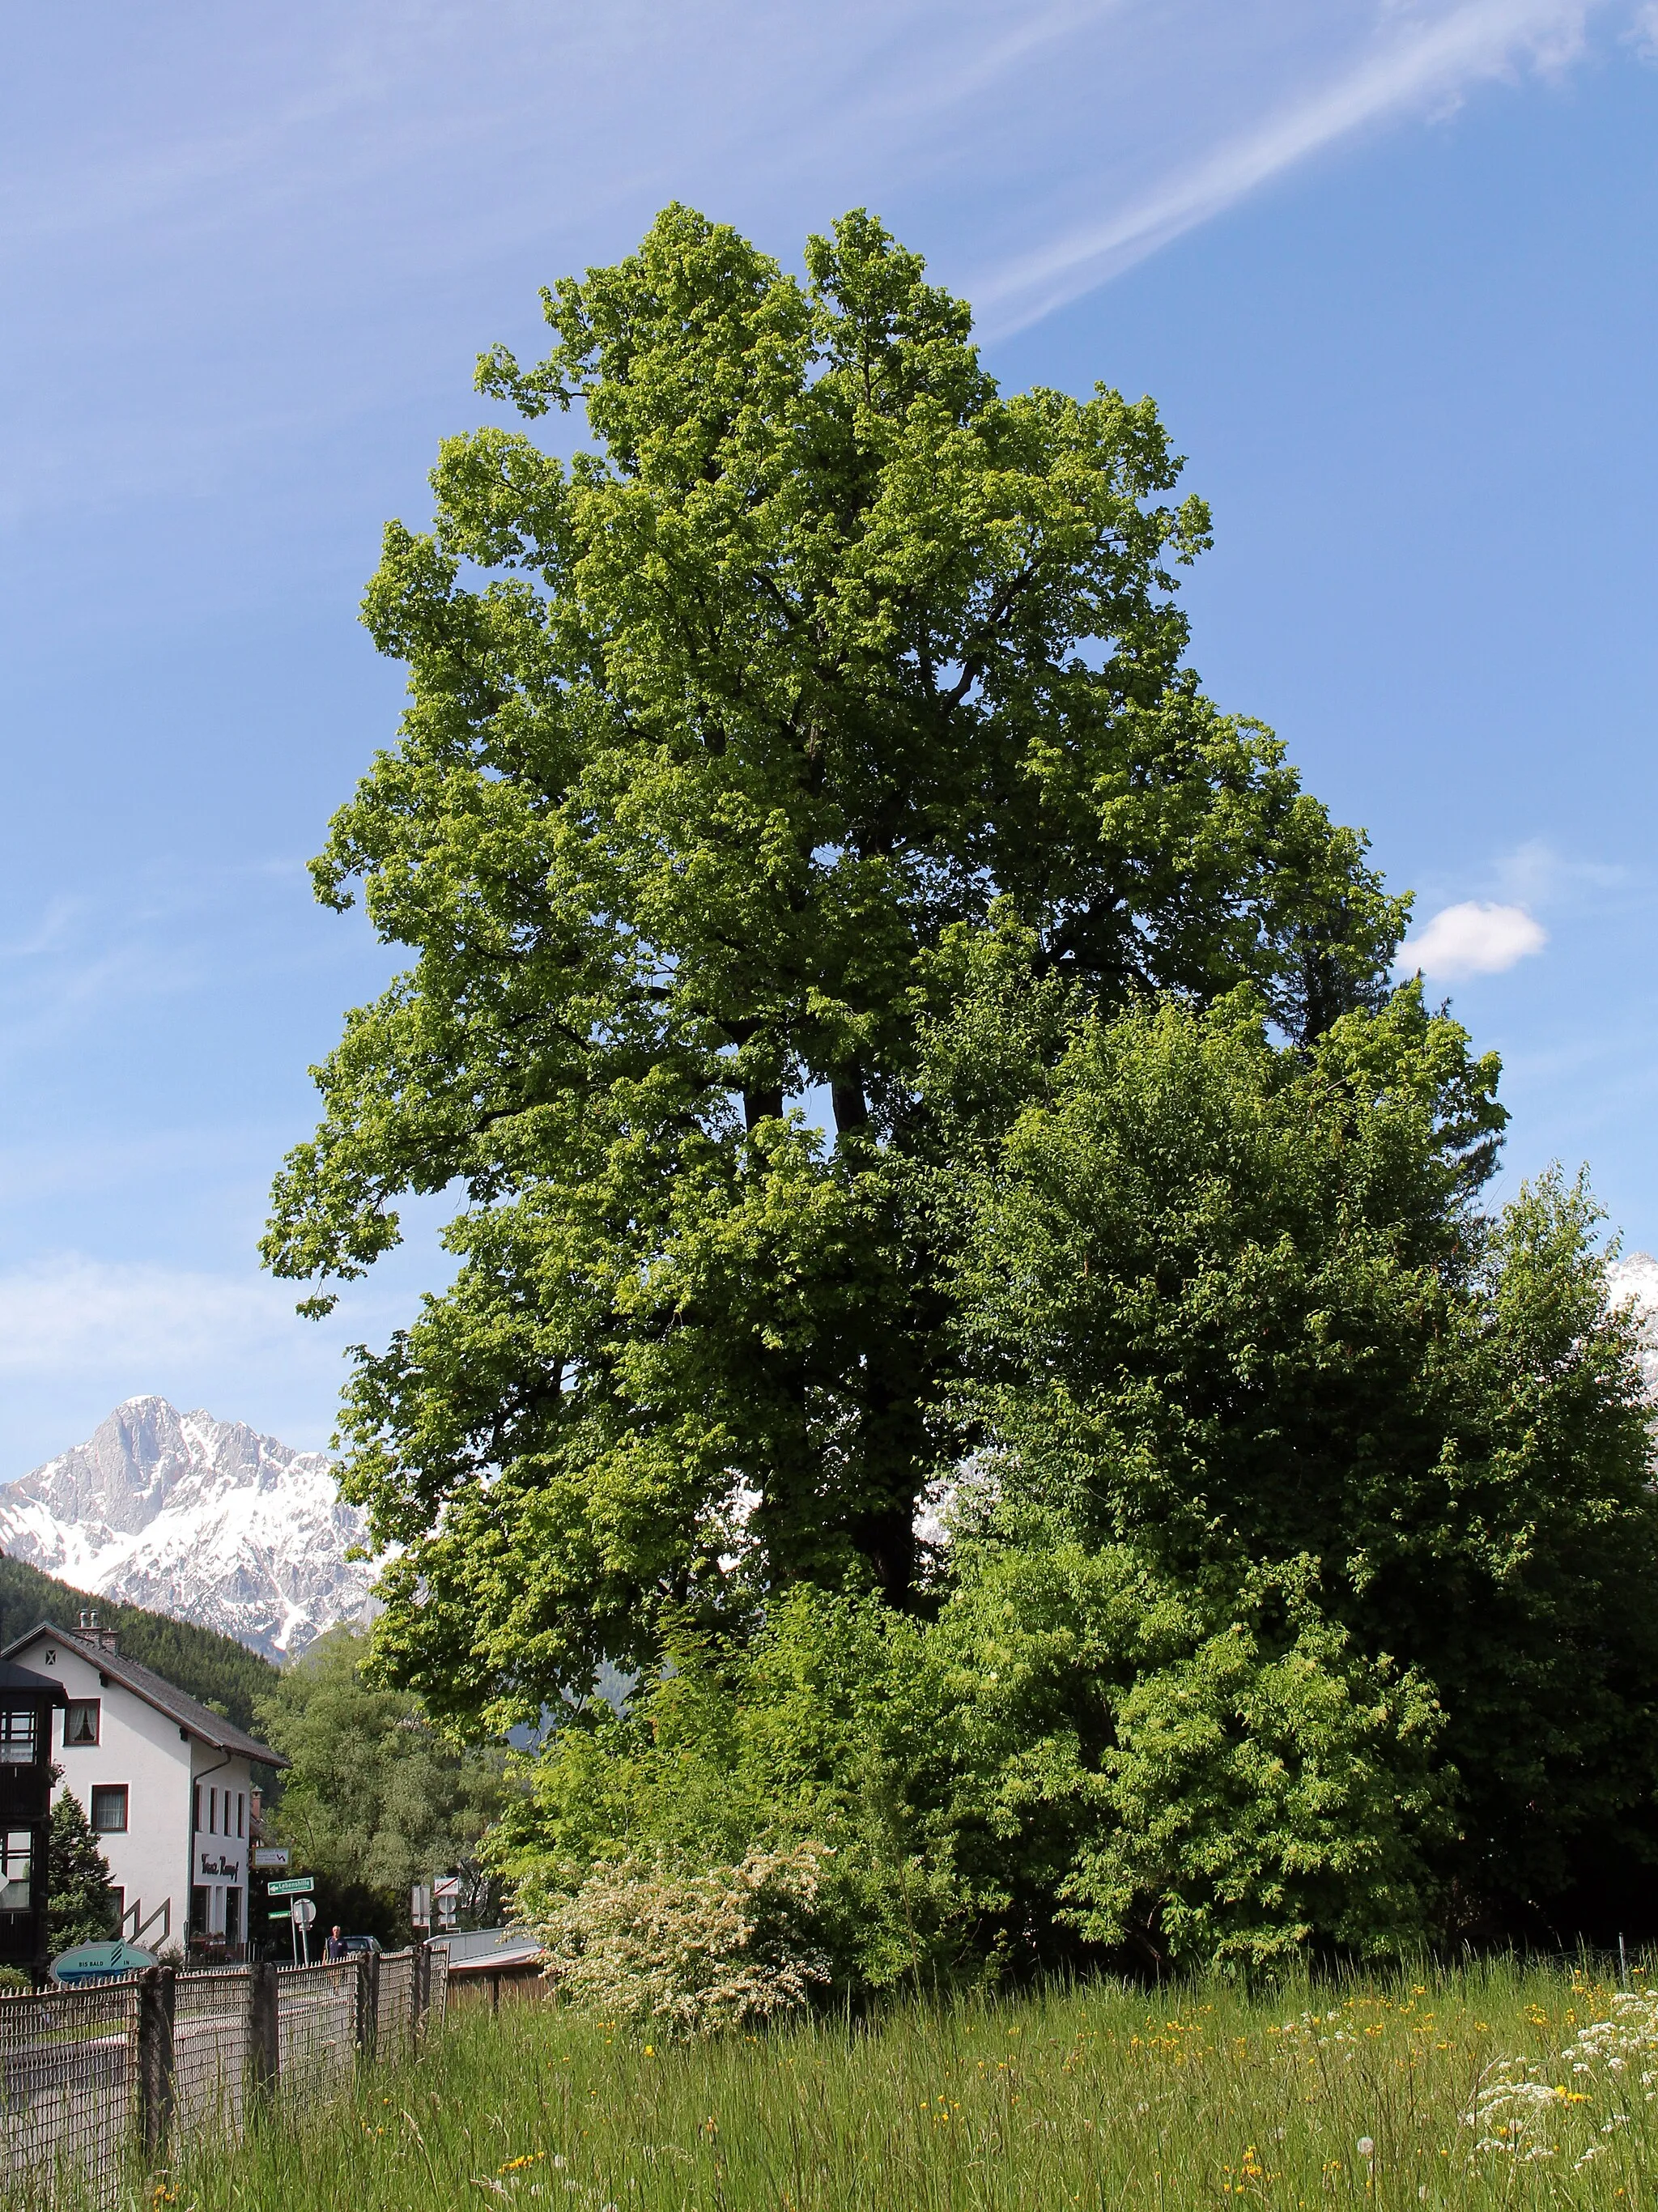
[1497,2085]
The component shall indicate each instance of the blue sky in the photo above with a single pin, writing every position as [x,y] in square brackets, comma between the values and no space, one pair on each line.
[1386,265]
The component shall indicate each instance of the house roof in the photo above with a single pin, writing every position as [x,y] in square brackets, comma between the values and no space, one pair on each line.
[156,1690]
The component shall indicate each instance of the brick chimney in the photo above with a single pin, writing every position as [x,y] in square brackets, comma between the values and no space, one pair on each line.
[106,1639]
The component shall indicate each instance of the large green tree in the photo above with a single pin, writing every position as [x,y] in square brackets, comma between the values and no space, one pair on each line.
[820,646]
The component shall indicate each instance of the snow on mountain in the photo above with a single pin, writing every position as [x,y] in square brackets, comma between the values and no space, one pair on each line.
[1636,1276]
[201,1519]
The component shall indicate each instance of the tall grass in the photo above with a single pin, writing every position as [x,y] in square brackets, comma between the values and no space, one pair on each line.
[1360,2093]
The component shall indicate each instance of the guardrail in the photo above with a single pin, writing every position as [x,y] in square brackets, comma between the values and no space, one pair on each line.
[98,2081]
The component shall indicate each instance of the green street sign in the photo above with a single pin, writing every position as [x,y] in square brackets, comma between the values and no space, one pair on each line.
[296,1885]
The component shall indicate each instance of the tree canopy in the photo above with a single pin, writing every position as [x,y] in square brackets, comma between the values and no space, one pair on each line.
[1237,1307]
[820,646]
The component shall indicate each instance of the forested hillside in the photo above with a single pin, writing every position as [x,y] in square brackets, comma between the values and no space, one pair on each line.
[216,1668]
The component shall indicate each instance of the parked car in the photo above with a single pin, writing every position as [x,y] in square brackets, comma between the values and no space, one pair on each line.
[364,1943]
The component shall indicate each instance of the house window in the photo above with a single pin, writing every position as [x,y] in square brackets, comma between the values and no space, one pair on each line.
[81,1720]
[241,1813]
[17,1736]
[198,1809]
[16,1866]
[109,1808]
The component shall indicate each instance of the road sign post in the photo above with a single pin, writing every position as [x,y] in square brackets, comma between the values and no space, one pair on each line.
[303,1914]
[292,1885]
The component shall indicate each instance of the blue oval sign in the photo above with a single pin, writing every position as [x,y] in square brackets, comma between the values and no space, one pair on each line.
[100,1962]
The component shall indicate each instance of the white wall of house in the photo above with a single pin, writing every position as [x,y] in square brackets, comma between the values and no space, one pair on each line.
[222,1816]
[161,1855]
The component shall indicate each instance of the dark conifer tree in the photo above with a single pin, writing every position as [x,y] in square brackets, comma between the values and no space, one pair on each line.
[81,1906]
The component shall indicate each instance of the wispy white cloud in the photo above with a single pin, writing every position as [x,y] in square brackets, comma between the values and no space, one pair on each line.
[71,1320]
[69,1313]
[79,1335]
[1476,937]
[165,930]
[1555,886]
[1421,59]
[1536,874]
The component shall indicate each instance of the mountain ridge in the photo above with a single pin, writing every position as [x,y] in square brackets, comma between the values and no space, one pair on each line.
[203,1520]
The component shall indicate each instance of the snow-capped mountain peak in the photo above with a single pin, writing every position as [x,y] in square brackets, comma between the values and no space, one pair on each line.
[204,1519]
[1634,1278]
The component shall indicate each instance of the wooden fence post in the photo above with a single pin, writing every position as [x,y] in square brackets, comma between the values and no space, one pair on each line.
[263,2033]
[156,2000]
[368,2005]
[420,1976]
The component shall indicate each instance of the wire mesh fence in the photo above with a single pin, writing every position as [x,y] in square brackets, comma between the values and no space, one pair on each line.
[211,2039]
[97,2082]
[318,2020]
[69,2091]
[395,2022]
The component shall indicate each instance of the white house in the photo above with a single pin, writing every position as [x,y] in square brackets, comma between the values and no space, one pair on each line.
[166,1783]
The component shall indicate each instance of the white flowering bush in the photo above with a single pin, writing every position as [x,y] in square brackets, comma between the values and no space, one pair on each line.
[690,1954]
[1573,2110]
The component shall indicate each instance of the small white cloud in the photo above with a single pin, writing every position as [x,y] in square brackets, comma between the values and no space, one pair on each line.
[1475,938]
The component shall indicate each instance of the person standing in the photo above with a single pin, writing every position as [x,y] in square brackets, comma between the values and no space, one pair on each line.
[334,1949]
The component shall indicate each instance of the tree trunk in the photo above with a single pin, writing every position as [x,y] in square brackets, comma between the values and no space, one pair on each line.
[761,1106]
[851,1107]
